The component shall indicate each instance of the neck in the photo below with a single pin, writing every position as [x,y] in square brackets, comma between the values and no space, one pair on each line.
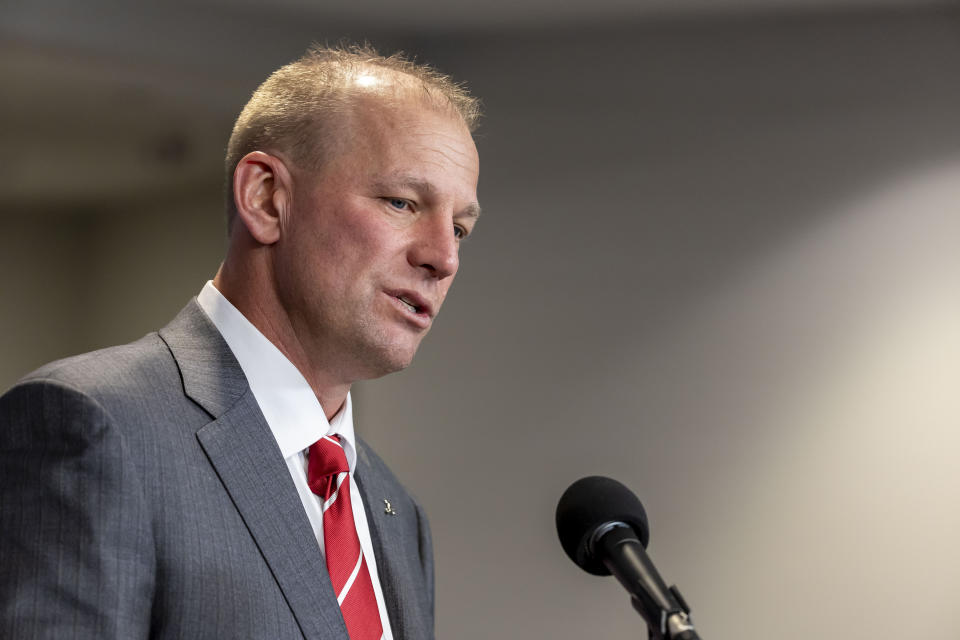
[259,304]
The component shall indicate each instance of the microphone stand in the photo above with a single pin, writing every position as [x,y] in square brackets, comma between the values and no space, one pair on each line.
[664,609]
[672,625]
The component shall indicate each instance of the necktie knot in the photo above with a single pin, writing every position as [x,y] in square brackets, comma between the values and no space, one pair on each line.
[327,459]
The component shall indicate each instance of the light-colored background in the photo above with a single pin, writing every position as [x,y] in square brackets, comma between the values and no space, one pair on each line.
[719,261]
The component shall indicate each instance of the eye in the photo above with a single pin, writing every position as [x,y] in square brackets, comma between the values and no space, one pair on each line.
[398,203]
[459,232]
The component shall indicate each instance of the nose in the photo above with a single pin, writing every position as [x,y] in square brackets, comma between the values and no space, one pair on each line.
[435,247]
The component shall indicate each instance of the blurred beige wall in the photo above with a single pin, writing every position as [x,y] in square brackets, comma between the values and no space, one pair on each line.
[718,261]
[75,282]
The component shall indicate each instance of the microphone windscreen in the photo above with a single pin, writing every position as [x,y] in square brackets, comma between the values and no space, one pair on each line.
[590,503]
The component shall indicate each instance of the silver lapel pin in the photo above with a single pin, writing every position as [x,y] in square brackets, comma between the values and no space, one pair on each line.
[388,508]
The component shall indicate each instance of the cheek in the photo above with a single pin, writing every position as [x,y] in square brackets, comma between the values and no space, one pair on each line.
[372,247]
[352,229]
[350,249]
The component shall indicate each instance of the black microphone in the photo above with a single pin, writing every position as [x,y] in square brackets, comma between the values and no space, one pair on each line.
[603,528]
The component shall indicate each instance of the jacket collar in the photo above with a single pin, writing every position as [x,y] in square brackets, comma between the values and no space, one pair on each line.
[212,377]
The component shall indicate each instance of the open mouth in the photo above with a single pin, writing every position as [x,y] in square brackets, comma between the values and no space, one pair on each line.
[415,307]
[409,304]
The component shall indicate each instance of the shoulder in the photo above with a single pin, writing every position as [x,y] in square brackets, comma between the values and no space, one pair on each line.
[87,368]
[107,374]
[135,369]
[84,390]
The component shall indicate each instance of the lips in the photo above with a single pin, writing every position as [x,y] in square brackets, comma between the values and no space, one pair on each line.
[413,308]
[413,303]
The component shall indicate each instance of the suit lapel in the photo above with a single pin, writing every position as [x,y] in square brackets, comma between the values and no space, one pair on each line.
[373,493]
[242,449]
[395,545]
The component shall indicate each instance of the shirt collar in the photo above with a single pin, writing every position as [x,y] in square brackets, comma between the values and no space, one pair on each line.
[288,403]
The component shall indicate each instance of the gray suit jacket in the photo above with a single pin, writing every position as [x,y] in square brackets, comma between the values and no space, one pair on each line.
[142,494]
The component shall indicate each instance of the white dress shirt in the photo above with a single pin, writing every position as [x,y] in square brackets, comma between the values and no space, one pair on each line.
[295,417]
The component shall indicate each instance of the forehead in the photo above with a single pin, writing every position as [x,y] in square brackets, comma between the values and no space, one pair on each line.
[407,140]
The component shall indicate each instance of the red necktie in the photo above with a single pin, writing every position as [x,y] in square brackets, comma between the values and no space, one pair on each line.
[328,477]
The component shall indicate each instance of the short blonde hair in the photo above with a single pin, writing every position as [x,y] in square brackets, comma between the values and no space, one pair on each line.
[298,108]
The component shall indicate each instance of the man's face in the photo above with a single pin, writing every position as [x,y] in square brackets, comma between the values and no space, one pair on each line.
[370,246]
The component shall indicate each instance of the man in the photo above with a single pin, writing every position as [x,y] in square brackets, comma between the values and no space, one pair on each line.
[206,481]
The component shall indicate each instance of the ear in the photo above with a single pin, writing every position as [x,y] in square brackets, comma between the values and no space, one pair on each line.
[261,191]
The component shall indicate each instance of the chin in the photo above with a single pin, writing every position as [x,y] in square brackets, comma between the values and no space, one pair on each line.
[382,361]
[384,351]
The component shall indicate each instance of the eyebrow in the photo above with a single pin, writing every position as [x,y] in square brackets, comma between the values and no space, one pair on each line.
[472,210]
